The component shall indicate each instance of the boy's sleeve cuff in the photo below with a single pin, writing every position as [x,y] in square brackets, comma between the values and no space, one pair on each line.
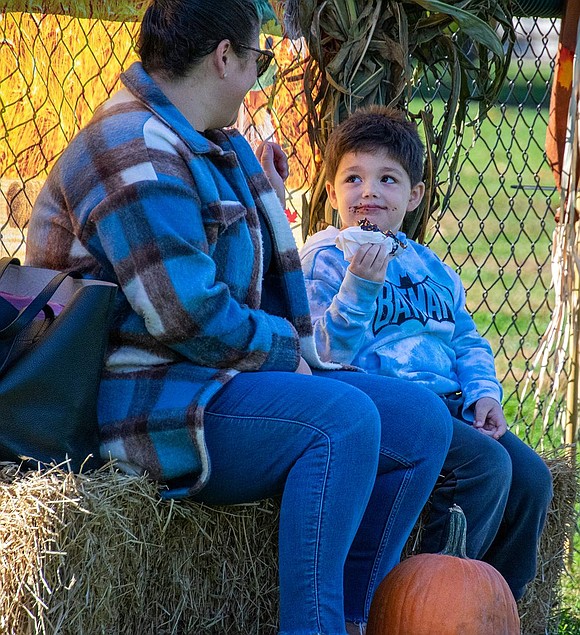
[481,389]
[357,293]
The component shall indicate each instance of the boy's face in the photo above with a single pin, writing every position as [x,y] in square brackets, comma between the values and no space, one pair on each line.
[373,186]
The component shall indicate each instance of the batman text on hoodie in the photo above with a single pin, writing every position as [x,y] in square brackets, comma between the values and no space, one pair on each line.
[413,326]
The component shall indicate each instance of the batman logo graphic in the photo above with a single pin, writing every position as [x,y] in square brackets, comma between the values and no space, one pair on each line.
[422,301]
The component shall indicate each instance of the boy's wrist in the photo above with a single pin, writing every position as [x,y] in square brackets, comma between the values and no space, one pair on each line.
[472,396]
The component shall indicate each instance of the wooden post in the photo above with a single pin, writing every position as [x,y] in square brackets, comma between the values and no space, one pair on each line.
[570,200]
[572,209]
[571,429]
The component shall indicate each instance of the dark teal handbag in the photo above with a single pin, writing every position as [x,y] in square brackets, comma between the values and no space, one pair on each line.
[54,329]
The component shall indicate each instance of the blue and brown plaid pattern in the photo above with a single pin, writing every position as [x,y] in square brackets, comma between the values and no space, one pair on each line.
[141,199]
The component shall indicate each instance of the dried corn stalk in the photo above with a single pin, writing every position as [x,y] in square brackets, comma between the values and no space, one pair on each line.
[374,52]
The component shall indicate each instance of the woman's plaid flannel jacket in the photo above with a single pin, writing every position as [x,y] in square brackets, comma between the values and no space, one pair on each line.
[141,199]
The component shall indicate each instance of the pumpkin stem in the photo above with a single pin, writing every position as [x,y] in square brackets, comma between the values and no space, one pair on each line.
[456,538]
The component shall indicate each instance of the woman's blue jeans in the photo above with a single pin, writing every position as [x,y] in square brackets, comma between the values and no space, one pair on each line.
[332,445]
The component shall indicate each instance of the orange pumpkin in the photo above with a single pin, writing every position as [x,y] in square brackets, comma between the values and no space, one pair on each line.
[444,594]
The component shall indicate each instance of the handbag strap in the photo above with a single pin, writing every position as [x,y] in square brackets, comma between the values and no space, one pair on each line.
[6,262]
[37,304]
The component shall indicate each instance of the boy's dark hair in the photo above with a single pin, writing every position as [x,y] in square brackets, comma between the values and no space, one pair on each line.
[176,34]
[373,129]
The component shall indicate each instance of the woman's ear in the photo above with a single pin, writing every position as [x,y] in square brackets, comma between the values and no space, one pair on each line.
[331,192]
[221,57]
[416,196]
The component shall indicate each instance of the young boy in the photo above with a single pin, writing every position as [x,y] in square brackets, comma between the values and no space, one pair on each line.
[397,310]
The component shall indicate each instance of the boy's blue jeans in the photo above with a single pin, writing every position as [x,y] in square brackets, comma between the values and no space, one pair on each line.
[504,488]
[327,444]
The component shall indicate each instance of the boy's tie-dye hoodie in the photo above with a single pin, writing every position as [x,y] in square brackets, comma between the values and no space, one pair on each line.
[413,326]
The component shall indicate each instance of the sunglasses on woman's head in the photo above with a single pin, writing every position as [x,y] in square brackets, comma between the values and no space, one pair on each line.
[262,61]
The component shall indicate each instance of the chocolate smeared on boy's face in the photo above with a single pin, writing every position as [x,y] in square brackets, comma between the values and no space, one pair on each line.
[374,186]
[362,208]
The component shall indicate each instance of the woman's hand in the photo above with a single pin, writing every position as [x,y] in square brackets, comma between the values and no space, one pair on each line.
[274,162]
[370,262]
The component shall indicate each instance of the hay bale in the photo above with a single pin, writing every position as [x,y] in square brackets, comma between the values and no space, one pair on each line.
[540,607]
[100,553]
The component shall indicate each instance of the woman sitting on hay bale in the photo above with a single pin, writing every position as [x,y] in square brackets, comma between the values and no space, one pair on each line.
[208,385]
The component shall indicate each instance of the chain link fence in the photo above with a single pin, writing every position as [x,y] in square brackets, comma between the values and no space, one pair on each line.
[496,230]
[54,72]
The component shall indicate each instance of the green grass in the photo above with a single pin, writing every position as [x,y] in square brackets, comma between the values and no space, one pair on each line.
[569,623]
[570,617]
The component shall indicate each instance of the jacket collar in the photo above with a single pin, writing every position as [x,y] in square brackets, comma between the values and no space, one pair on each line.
[143,87]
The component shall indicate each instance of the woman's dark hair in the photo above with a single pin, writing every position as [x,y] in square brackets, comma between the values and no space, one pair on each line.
[176,34]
